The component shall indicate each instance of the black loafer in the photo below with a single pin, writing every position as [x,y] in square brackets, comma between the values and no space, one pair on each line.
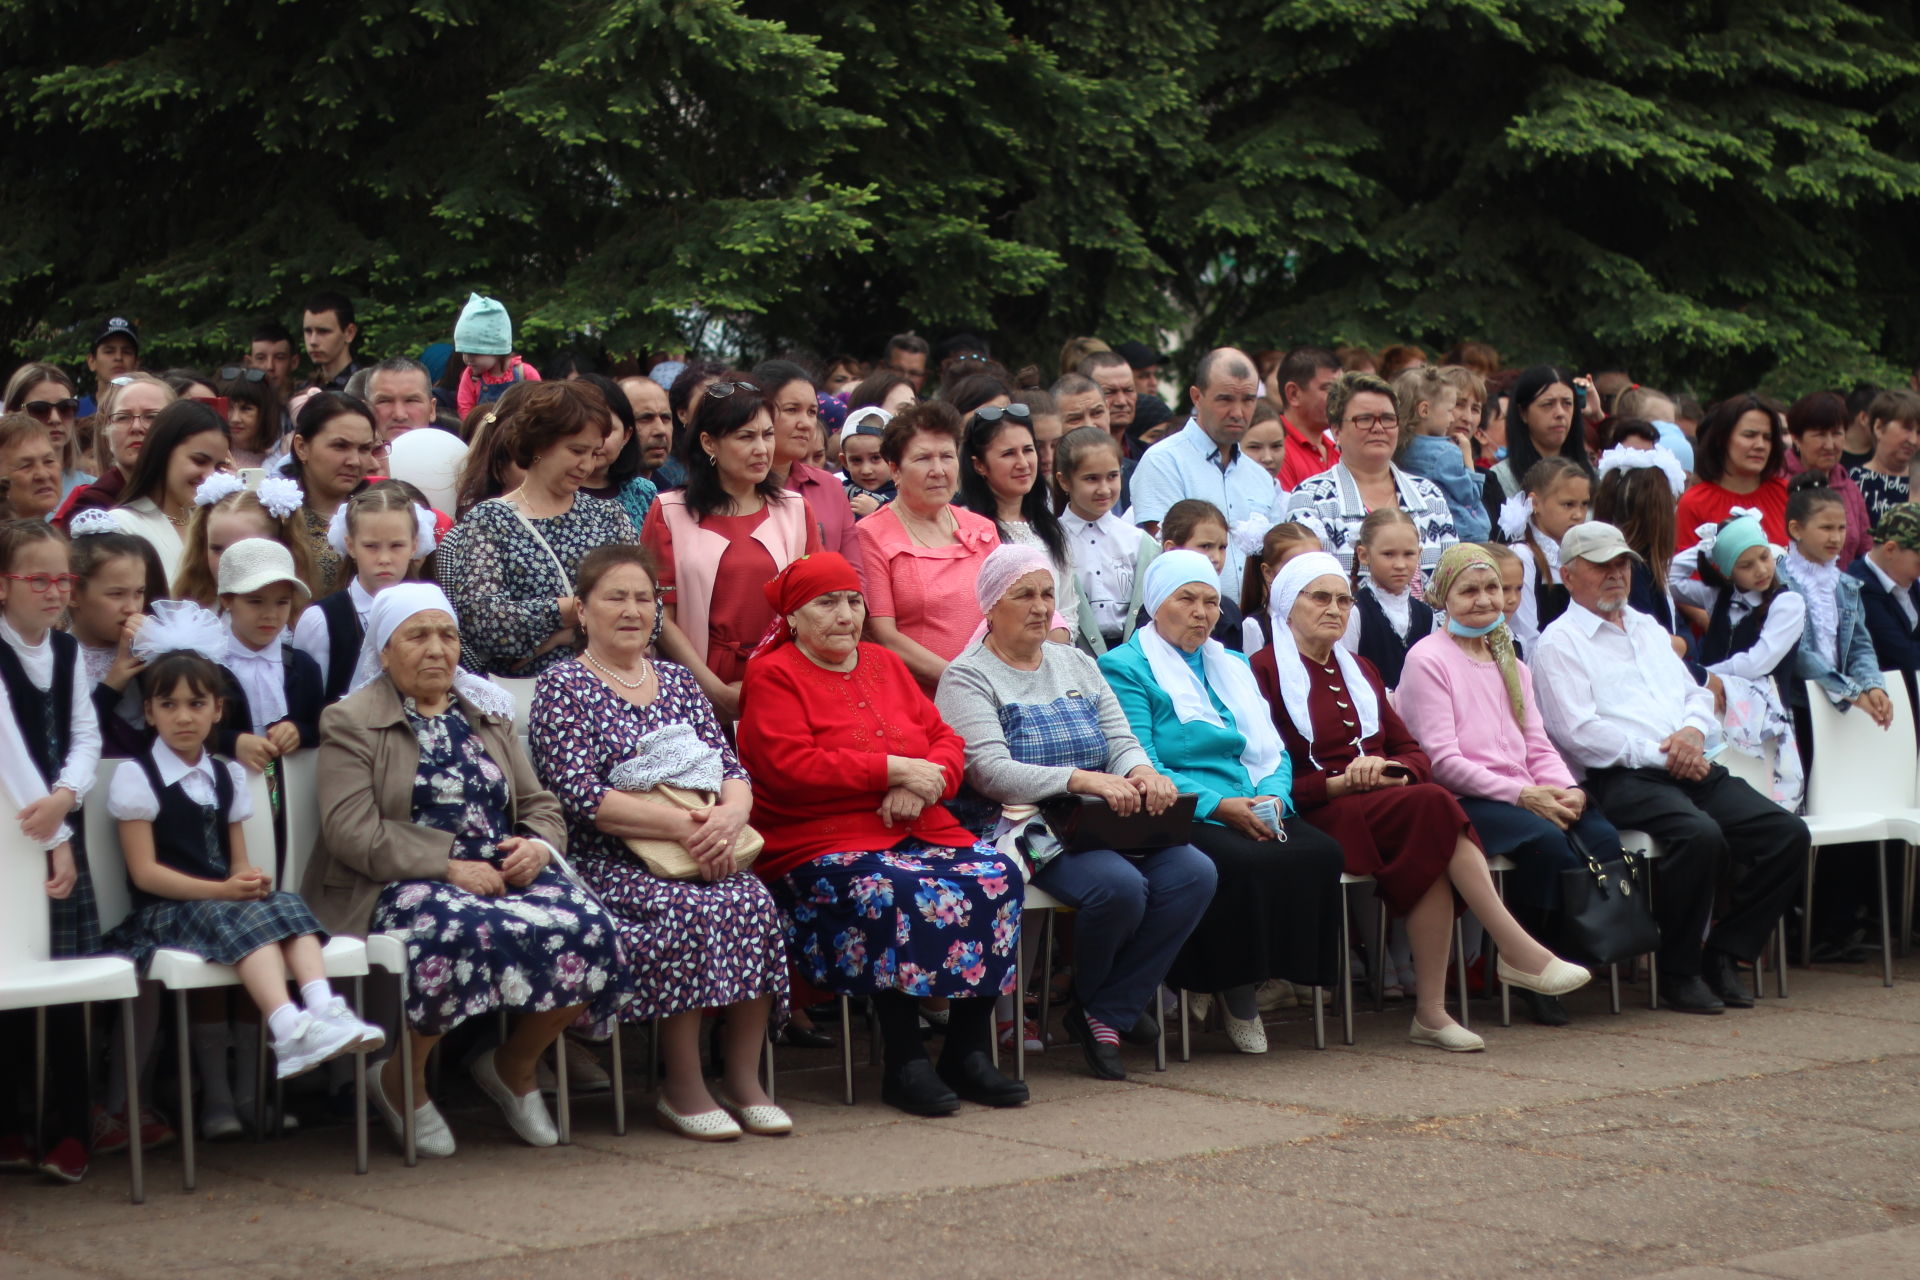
[1102,1059]
[917,1089]
[976,1079]
[806,1037]
[1690,995]
[1545,1010]
[1144,1032]
[1722,976]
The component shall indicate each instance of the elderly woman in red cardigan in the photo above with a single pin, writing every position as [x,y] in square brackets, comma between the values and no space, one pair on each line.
[888,896]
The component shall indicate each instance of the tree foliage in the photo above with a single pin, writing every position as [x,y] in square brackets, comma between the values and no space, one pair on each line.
[1709,191]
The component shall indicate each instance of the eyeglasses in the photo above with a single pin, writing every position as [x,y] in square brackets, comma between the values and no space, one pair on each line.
[1367,422]
[721,390]
[994,413]
[48,410]
[44,582]
[121,417]
[1328,599]
[235,373]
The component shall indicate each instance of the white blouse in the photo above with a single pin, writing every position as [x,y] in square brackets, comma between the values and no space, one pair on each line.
[130,796]
[1785,623]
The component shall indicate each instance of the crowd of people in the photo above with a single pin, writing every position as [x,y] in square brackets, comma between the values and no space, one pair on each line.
[818,646]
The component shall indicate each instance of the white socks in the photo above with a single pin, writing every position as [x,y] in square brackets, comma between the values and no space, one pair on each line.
[317,994]
[283,1020]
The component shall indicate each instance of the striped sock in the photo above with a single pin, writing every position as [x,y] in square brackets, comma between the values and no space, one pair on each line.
[1102,1033]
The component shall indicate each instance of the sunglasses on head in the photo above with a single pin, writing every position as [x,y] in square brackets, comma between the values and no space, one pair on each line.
[234,373]
[47,410]
[994,413]
[721,390]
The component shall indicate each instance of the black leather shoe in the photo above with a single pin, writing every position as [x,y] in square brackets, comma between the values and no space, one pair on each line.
[1102,1059]
[1689,995]
[1545,1010]
[1144,1032]
[976,1079]
[1723,978]
[917,1089]
[806,1037]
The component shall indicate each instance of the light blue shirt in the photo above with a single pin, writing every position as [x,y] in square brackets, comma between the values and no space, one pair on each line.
[1187,465]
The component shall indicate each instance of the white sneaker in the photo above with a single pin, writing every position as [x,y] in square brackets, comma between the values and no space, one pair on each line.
[527,1114]
[366,1036]
[313,1042]
[431,1137]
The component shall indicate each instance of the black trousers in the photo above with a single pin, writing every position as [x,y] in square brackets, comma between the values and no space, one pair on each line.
[1717,822]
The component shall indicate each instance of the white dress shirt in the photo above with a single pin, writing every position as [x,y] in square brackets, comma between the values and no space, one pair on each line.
[1105,554]
[1610,696]
[1187,464]
[261,676]
[130,796]
[313,637]
[83,730]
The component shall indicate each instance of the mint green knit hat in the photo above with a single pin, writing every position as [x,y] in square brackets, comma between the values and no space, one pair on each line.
[484,328]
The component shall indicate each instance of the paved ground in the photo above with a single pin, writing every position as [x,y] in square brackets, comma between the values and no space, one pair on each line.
[1784,1142]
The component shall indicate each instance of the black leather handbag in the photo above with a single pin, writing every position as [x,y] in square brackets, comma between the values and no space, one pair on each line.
[1606,912]
[1081,822]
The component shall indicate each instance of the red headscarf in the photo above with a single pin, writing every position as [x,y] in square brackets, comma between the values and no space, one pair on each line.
[808,578]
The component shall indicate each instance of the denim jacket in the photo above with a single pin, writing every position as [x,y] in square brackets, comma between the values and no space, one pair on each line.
[1438,459]
[1856,667]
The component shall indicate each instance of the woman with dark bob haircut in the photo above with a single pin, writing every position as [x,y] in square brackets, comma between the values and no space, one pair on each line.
[509,564]
[1739,454]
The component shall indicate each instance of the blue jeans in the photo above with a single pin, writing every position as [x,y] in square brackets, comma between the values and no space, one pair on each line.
[1134,916]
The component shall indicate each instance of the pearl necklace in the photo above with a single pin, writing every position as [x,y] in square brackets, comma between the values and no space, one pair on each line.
[646,671]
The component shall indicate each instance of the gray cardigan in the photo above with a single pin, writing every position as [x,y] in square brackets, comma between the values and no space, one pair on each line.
[977,685]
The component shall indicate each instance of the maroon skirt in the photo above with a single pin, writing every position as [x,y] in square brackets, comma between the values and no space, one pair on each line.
[1403,837]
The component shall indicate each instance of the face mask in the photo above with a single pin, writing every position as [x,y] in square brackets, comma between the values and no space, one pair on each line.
[1500,454]
[1462,629]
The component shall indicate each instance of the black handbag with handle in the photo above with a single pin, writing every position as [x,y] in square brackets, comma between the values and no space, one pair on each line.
[1606,914]
[1082,822]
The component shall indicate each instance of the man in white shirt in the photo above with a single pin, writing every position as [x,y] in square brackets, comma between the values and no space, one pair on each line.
[1622,709]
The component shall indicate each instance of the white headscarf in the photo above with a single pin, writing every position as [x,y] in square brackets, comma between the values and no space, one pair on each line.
[1228,675]
[1292,579]
[394,606]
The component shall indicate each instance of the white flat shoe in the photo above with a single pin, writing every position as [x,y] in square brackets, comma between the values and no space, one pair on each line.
[527,1113]
[1556,979]
[707,1126]
[1453,1037]
[584,1073]
[1248,1035]
[767,1121]
[431,1137]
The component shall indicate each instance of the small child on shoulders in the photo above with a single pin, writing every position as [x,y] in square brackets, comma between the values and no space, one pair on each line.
[483,338]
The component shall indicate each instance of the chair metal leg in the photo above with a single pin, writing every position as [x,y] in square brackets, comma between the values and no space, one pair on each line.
[1320,1017]
[1186,1041]
[1160,1029]
[136,1168]
[1346,973]
[1653,957]
[409,1138]
[1886,922]
[1780,958]
[767,1054]
[846,1045]
[619,1084]
[1806,920]
[564,1103]
[1760,970]
[1491,951]
[1613,985]
[1379,966]
[186,1088]
[653,1055]
[40,1079]
[260,1108]
[1046,986]
[1910,870]
[1460,965]
[359,1086]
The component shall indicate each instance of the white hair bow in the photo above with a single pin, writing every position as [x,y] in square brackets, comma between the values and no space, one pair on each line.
[177,625]
[1516,513]
[219,485]
[424,542]
[1621,458]
[280,495]
[92,520]
[1247,536]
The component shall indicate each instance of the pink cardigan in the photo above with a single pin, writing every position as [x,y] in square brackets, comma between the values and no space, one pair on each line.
[1457,707]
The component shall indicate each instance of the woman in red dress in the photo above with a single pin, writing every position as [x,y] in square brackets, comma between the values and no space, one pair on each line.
[1359,776]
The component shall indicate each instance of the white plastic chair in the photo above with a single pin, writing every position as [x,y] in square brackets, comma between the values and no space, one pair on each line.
[182,971]
[31,978]
[1857,769]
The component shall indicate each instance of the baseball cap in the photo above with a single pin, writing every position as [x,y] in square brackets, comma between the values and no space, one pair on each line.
[117,327]
[1139,355]
[1595,541]
[867,420]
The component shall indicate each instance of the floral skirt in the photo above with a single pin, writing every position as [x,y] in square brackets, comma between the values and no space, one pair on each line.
[915,918]
[544,947]
[691,944]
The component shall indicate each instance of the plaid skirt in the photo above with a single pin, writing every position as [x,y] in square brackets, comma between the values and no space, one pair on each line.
[75,919]
[223,932]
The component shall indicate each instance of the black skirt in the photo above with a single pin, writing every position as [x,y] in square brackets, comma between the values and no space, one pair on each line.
[1275,914]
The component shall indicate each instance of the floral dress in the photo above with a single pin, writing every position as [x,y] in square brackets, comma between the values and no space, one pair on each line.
[694,945]
[504,580]
[546,946]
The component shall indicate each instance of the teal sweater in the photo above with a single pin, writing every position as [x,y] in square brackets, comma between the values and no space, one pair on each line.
[1202,759]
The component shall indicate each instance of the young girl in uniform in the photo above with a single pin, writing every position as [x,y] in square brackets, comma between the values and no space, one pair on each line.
[1109,556]
[1554,496]
[1386,620]
[383,535]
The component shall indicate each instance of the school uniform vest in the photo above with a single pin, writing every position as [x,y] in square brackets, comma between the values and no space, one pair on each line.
[46,719]
[1380,644]
[344,634]
[189,837]
[1725,638]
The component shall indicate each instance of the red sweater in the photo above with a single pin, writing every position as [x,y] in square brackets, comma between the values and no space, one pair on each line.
[817,742]
[1705,502]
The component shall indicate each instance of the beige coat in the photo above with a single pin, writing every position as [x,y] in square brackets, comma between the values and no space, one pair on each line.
[368,840]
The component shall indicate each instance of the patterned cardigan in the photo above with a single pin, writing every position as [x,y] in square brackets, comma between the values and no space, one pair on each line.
[1334,498]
